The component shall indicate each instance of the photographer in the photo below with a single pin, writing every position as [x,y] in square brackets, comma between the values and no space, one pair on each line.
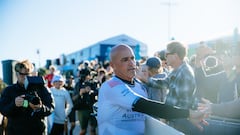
[25,117]
[85,97]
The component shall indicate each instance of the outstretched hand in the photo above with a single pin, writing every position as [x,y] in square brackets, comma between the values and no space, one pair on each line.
[197,118]
[205,106]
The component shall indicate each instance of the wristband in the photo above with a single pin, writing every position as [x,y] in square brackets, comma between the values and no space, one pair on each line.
[25,103]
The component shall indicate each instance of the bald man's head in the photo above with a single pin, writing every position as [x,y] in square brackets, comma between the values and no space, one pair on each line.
[122,60]
[118,49]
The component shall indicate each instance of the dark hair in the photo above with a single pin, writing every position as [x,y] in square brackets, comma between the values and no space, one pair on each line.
[162,55]
[84,72]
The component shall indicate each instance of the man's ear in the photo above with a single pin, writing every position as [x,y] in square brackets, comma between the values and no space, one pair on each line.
[111,64]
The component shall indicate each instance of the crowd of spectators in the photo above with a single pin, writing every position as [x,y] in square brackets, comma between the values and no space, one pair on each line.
[213,79]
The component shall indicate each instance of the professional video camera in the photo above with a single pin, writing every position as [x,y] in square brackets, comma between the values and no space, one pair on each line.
[33,84]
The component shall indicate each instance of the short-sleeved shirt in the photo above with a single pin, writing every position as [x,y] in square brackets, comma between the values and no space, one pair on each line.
[115,115]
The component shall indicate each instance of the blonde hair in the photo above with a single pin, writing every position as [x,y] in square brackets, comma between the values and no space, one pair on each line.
[25,64]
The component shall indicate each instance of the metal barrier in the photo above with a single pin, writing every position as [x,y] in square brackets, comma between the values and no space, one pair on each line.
[217,126]
[222,126]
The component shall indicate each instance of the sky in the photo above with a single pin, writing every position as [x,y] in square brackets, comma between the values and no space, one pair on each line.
[56,27]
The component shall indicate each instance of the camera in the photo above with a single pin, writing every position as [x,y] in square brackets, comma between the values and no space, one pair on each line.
[92,84]
[33,84]
[32,98]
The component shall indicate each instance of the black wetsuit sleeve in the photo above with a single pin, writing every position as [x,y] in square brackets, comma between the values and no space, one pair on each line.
[158,109]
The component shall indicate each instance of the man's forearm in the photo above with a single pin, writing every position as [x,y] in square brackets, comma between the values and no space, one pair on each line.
[159,109]
[229,109]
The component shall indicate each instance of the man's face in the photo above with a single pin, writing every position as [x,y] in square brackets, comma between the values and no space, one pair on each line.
[124,64]
[21,75]
[170,58]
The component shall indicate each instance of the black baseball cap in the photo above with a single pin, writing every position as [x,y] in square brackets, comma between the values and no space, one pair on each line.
[154,62]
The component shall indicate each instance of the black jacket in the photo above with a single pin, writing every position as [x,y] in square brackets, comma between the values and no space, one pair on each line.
[86,101]
[23,120]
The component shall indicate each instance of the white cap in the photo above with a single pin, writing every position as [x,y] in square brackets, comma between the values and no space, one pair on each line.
[57,78]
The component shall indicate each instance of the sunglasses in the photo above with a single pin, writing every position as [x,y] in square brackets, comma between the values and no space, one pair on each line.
[169,53]
[23,73]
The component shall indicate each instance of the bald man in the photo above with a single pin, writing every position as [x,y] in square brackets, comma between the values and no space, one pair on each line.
[122,102]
